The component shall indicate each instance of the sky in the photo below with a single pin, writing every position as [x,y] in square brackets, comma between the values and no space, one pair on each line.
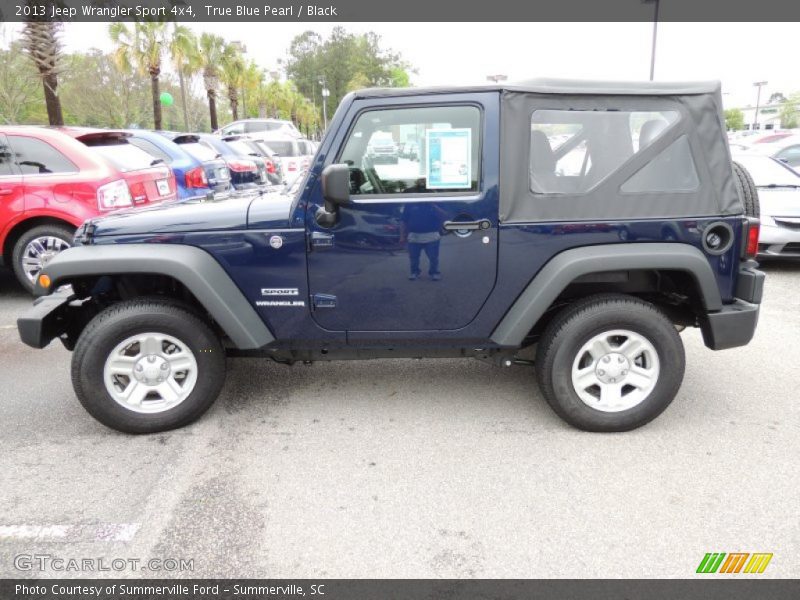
[738,54]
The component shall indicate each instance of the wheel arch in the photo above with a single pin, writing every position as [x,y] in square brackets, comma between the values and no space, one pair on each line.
[192,267]
[19,228]
[568,266]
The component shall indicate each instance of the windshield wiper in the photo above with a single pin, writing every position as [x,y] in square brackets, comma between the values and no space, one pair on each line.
[156,161]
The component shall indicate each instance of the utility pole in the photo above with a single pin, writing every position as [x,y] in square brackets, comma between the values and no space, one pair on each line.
[759,85]
[325,93]
[655,37]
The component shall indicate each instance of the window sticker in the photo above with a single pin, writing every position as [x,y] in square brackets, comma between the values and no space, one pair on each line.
[449,158]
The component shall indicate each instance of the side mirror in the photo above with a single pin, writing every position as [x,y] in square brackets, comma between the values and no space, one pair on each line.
[336,186]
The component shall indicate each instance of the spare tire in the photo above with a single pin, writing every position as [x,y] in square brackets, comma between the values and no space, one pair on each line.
[747,191]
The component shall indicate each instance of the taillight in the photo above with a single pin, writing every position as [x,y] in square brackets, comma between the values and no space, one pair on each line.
[138,192]
[751,244]
[242,166]
[196,178]
[270,166]
[292,165]
[113,195]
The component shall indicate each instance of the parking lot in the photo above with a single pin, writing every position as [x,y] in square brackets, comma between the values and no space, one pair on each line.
[409,469]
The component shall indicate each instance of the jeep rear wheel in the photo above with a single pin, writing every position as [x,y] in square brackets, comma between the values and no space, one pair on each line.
[610,363]
[144,366]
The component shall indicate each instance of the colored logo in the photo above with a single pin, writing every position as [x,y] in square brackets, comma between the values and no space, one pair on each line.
[734,562]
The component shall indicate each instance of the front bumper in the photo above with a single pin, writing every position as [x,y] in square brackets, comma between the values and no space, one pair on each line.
[45,320]
[735,324]
[779,238]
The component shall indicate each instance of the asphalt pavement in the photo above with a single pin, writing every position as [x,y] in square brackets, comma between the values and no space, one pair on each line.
[404,468]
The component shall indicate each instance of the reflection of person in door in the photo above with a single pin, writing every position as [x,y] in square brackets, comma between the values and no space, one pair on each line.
[421,224]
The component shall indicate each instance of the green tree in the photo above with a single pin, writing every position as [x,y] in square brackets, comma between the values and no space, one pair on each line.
[41,42]
[734,119]
[231,73]
[789,111]
[21,95]
[211,49]
[142,48]
[185,60]
[341,63]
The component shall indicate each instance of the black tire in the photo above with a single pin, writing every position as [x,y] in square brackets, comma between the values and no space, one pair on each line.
[747,191]
[64,233]
[574,326]
[121,321]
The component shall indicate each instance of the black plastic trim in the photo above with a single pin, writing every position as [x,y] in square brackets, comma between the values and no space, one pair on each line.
[196,269]
[731,327]
[567,266]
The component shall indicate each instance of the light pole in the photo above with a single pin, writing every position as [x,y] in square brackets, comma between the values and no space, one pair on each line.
[496,78]
[655,36]
[325,93]
[759,85]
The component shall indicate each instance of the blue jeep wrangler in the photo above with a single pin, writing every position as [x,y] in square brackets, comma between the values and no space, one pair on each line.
[593,221]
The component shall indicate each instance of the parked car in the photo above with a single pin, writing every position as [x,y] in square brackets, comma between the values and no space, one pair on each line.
[779,196]
[270,276]
[50,183]
[244,171]
[194,177]
[268,164]
[149,178]
[409,150]
[260,128]
[786,150]
[293,156]
[382,148]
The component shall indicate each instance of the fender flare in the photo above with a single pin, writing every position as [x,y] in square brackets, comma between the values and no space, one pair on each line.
[194,268]
[567,266]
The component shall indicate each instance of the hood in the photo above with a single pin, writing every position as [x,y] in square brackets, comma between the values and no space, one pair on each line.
[193,215]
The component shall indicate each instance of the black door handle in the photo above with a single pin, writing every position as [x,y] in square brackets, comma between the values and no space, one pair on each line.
[468,225]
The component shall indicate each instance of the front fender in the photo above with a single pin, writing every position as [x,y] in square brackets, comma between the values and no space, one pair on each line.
[194,268]
[567,266]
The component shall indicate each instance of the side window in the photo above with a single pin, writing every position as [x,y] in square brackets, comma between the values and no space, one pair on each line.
[150,148]
[35,157]
[233,129]
[790,155]
[571,151]
[6,158]
[447,160]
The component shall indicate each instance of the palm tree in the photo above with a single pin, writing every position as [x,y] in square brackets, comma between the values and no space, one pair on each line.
[232,75]
[142,48]
[41,42]
[186,60]
[210,55]
[251,81]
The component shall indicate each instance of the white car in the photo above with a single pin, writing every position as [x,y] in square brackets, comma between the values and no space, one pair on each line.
[294,155]
[779,196]
[785,149]
[260,128]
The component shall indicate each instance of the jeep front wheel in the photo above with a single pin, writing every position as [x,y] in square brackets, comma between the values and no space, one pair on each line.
[144,366]
[610,363]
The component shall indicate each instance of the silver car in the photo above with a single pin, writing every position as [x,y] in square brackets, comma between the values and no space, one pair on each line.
[779,194]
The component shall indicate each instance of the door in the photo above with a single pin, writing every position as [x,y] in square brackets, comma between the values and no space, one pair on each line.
[416,247]
[12,192]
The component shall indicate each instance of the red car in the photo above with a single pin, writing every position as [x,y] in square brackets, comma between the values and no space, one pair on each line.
[52,180]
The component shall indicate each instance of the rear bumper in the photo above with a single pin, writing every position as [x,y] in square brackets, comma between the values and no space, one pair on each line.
[735,324]
[45,320]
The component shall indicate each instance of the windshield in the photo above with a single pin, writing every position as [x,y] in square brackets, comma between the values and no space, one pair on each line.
[126,157]
[766,171]
[284,148]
